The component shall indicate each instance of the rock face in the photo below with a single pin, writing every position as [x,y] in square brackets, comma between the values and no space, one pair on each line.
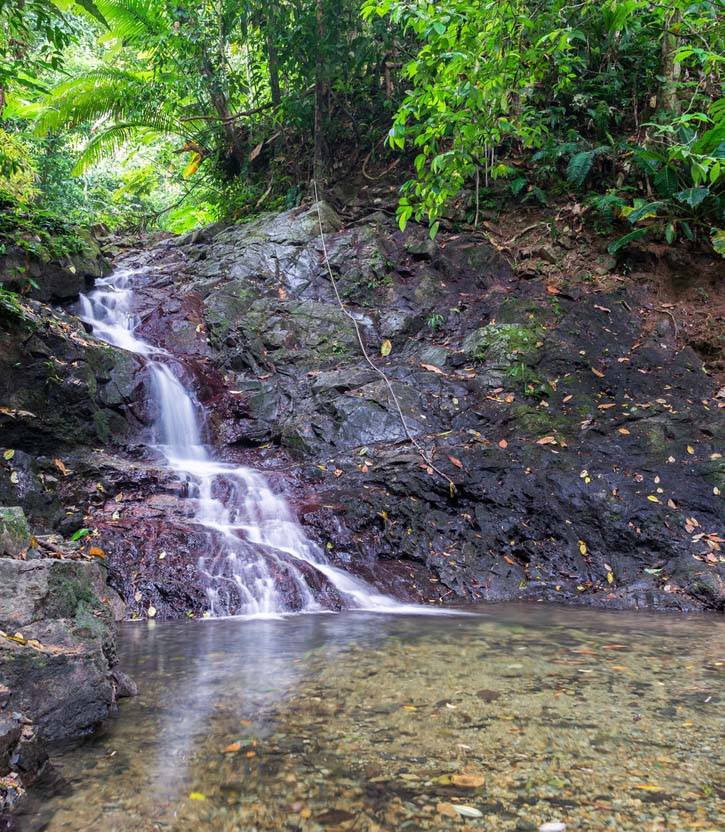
[577,446]
[567,447]
[57,657]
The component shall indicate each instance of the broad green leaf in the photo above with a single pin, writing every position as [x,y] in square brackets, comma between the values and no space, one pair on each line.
[80,533]
[613,248]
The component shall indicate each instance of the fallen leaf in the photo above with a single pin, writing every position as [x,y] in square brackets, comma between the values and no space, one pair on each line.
[623,431]
[197,796]
[14,478]
[386,347]
[467,781]
[690,450]
[503,443]
[582,547]
[653,499]
[597,373]
[151,612]
[546,440]
[646,787]
[96,552]
[60,466]
[232,747]
[457,462]
[9,454]
[430,367]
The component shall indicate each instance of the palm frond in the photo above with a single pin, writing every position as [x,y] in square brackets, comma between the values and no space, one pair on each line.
[133,19]
[110,141]
[100,93]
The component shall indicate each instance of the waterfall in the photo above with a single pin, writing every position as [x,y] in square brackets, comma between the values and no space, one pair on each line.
[259,562]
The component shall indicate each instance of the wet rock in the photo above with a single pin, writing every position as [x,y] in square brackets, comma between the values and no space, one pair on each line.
[14,532]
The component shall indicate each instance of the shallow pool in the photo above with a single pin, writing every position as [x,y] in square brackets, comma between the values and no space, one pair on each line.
[507,720]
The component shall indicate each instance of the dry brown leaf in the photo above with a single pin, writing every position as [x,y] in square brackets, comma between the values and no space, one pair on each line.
[433,369]
[597,373]
[546,440]
[457,462]
[60,466]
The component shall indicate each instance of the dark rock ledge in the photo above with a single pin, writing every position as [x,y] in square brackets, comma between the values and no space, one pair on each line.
[58,669]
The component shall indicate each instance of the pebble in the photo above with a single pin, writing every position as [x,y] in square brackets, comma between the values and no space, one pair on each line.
[552,826]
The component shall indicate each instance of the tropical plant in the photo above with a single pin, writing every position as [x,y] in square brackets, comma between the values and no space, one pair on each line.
[491,79]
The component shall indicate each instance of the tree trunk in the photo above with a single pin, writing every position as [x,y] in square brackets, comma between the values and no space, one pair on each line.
[273,64]
[670,70]
[317,163]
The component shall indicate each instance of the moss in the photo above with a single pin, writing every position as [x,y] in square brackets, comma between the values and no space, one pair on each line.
[502,345]
[540,422]
[71,591]
[656,439]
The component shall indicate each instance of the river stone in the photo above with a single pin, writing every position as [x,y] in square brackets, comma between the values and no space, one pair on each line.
[14,532]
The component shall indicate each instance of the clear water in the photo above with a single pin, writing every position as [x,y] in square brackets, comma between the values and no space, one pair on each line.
[259,560]
[521,716]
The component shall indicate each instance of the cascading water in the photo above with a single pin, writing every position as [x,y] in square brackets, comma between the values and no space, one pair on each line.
[259,561]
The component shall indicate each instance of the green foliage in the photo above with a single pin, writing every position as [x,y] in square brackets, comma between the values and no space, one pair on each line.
[41,233]
[565,83]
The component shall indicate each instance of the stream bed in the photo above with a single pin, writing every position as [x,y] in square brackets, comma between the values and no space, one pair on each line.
[520,716]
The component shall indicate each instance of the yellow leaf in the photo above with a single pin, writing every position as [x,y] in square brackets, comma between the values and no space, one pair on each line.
[582,547]
[648,787]
[690,450]
[610,578]
[61,467]
[193,165]
[386,347]
[9,454]
[197,796]
[652,498]
[623,431]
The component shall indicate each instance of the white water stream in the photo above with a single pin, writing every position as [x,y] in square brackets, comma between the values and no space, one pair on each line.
[259,559]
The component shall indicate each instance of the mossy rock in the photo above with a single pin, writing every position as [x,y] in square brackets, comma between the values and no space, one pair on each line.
[14,531]
[502,345]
